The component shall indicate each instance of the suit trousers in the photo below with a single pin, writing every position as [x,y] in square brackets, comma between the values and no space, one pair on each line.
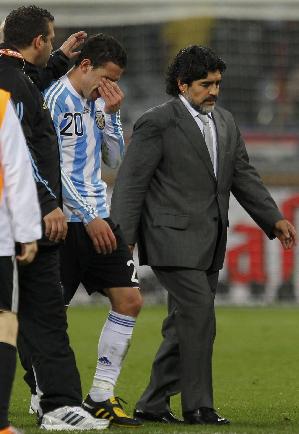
[183,362]
[43,341]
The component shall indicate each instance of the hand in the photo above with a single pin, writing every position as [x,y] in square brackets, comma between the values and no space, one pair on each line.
[69,46]
[101,235]
[286,233]
[55,225]
[28,252]
[131,248]
[111,94]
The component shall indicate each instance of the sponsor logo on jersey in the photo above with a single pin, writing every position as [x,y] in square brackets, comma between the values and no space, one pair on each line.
[86,110]
[100,119]
[45,107]
[105,361]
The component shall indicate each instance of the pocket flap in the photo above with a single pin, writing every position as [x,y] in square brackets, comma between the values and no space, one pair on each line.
[172,221]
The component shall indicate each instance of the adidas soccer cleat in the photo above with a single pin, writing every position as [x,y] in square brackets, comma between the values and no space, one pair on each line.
[10,430]
[71,419]
[112,410]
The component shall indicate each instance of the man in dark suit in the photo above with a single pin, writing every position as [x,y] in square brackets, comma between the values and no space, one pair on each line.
[172,196]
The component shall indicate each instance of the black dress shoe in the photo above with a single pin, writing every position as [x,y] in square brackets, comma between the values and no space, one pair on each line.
[166,417]
[204,416]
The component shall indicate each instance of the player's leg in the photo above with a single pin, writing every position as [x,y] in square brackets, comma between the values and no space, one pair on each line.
[112,348]
[26,362]
[70,275]
[8,336]
[73,257]
[115,340]
[43,326]
[115,275]
[72,278]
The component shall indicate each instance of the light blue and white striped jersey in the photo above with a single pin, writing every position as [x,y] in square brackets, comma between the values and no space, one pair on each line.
[86,136]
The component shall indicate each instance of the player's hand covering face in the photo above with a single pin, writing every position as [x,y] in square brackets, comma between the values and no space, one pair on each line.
[101,82]
[111,94]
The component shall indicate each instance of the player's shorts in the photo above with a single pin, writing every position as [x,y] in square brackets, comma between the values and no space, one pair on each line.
[80,263]
[9,289]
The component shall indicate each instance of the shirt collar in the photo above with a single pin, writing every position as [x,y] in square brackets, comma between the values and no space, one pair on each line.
[188,106]
[71,88]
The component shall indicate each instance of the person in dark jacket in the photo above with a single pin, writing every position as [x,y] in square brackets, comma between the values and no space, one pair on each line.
[171,196]
[28,37]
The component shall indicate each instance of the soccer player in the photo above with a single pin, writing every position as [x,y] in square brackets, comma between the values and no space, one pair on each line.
[20,221]
[85,109]
[43,341]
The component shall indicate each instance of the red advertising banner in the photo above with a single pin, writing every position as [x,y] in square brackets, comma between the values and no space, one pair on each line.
[257,268]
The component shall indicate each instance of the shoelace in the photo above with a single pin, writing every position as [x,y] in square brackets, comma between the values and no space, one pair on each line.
[81,411]
[118,399]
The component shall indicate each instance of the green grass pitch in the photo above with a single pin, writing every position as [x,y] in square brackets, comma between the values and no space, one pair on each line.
[256,368]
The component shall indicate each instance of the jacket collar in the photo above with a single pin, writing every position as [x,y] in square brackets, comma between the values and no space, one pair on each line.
[12,55]
[189,127]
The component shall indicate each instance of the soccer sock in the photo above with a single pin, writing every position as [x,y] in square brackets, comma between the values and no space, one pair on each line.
[113,346]
[7,372]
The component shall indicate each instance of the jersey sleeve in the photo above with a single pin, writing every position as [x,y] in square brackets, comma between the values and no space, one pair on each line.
[113,145]
[19,186]
[27,109]
[47,198]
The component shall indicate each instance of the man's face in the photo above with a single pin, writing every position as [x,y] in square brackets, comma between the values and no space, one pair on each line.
[46,46]
[202,94]
[92,77]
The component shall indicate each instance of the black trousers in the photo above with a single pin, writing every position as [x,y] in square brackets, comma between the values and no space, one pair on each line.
[43,341]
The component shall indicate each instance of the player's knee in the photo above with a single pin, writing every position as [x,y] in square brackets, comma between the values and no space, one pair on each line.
[136,304]
[8,328]
[130,304]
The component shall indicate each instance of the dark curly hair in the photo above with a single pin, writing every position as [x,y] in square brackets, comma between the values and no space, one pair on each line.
[190,64]
[100,49]
[24,24]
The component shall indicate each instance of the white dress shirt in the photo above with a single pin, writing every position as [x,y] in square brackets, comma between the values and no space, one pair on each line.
[194,113]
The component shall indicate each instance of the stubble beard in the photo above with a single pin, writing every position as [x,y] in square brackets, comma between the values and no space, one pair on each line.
[202,109]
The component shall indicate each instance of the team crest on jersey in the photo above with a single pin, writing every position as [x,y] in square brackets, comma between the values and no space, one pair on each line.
[100,119]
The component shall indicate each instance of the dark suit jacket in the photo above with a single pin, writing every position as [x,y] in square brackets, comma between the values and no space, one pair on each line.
[167,197]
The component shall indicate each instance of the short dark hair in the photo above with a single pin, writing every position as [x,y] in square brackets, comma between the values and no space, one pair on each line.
[100,49]
[190,64]
[24,24]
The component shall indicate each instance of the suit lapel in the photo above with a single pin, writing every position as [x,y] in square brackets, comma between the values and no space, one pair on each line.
[190,129]
[221,142]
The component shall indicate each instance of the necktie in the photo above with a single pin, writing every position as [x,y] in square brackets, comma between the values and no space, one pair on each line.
[207,135]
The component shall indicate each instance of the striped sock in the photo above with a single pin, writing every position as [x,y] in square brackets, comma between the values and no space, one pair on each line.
[112,349]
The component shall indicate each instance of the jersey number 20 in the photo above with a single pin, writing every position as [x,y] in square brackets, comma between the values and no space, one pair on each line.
[71,118]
